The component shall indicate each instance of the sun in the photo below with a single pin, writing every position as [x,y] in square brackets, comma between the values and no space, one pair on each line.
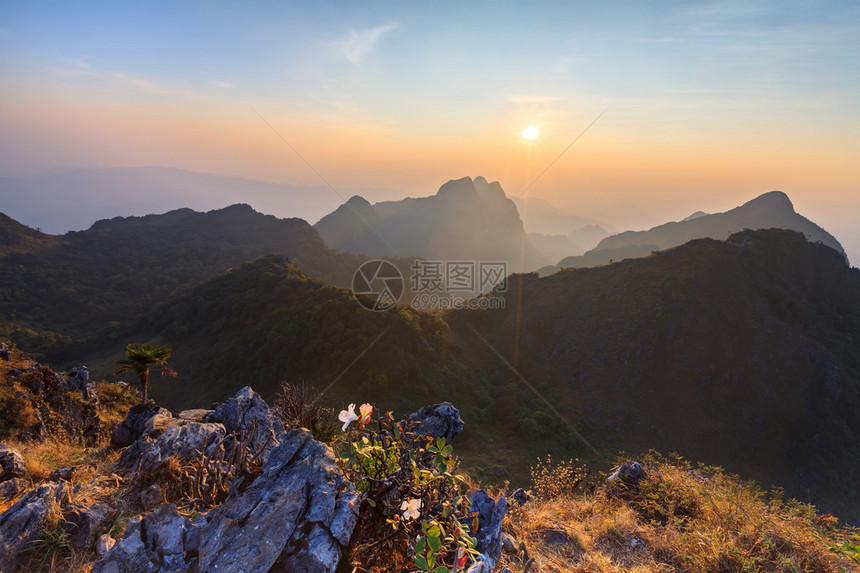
[531,132]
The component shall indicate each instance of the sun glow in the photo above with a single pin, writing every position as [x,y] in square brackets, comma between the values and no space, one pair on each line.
[531,132]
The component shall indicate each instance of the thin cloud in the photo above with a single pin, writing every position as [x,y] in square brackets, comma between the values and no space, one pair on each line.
[361,43]
[222,84]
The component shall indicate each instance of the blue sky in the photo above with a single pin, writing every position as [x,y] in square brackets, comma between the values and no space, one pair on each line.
[707,103]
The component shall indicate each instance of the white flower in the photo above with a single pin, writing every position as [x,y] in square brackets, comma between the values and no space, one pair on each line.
[347,416]
[410,509]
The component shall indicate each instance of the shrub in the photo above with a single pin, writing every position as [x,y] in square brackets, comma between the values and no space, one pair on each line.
[415,513]
[300,406]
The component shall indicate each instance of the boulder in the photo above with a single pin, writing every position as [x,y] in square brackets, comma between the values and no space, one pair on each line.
[295,516]
[248,416]
[180,441]
[439,420]
[554,536]
[140,420]
[153,544]
[491,513]
[83,523]
[78,378]
[519,496]
[11,464]
[19,525]
[625,477]
[301,500]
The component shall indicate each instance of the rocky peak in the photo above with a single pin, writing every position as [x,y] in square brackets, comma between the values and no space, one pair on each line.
[772,201]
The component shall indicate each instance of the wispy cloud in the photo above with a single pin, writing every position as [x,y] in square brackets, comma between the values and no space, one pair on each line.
[80,63]
[360,43]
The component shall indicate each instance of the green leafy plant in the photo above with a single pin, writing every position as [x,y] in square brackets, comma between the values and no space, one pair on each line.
[415,512]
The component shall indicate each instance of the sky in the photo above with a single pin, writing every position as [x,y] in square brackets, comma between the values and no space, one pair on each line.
[660,108]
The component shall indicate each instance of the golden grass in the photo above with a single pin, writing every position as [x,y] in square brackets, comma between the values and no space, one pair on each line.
[680,521]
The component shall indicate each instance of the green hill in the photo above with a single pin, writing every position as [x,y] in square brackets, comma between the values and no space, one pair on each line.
[743,352]
[267,322]
[87,285]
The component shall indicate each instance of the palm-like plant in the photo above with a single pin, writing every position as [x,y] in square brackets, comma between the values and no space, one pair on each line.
[141,358]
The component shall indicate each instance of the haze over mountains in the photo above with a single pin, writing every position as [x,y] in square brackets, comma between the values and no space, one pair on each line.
[467,219]
[66,199]
[771,210]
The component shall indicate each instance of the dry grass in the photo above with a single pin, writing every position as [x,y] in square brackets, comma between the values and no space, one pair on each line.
[679,520]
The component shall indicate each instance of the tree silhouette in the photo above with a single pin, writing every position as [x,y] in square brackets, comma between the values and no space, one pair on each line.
[141,358]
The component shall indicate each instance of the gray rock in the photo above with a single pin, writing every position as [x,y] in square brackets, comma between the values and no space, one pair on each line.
[154,544]
[195,415]
[439,420]
[5,353]
[136,423]
[83,523]
[11,464]
[509,544]
[554,536]
[19,525]
[11,488]
[78,378]
[310,552]
[104,544]
[64,474]
[519,496]
[300,500]
[626,477]
[246,414]
[296,514]
[180,441]
[491,513]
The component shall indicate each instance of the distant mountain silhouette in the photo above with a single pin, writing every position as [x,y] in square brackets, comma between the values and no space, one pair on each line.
[771,210]
[466,220]
[73,198]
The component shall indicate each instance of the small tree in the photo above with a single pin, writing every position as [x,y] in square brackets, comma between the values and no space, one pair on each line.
[141,358]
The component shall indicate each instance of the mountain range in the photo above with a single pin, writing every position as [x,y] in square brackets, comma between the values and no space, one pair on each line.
[467,219]
[770,210]
[741,352]
[72,199]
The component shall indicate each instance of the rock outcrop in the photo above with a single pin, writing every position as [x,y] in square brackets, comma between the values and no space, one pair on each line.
[491,514]
[439,420]
[293,513]
[141,419]
[300,500]
[625,477]
[11,464]
[295,516]
[19,525]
